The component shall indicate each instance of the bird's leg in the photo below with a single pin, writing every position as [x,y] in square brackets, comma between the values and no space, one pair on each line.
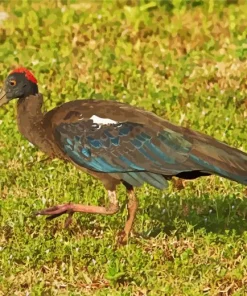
[71,208]
[132,208]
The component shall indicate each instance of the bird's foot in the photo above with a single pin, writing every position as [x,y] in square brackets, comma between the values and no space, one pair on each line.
[56,211]
[71,208]
[122,237]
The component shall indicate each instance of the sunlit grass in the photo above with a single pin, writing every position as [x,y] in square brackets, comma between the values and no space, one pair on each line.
[185,62]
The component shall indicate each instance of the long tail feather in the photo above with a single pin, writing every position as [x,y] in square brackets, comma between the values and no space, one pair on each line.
[220,159]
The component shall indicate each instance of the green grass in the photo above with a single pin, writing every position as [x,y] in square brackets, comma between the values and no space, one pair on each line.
[184,60]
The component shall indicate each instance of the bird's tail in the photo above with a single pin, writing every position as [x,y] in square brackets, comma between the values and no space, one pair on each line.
[218,158]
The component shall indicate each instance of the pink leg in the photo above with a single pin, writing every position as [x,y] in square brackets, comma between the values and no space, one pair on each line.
[71,208]
[132,208]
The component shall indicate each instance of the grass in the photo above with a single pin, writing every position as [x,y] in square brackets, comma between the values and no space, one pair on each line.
[184,60]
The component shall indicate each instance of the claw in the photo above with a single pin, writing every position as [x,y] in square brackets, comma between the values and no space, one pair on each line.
[57,211]
[71,208]
[122,238]
[53,216]
[68,220]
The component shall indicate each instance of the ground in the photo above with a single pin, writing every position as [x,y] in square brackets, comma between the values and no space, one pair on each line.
[184,60]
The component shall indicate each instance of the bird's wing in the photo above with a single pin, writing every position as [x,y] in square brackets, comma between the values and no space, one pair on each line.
[137,144]
[117,147]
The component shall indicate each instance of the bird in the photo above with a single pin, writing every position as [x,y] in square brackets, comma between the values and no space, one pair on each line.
[116,143]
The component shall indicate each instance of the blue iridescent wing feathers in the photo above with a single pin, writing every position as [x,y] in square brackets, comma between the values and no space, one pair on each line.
[130,150]
[136,153]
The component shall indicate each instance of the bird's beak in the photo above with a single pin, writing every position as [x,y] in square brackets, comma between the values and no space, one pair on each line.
[3,97]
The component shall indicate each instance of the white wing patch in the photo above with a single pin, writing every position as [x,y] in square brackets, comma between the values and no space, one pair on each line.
[101,121]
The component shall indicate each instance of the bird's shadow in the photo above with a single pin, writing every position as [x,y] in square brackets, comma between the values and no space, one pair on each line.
[168,213]
[213,215]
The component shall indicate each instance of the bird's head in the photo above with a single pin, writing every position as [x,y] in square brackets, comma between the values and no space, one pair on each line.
[19,84]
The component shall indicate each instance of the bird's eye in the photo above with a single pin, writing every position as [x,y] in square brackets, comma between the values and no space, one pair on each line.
[12,82]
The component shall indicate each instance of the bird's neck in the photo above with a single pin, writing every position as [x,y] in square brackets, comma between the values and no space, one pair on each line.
[30,119]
